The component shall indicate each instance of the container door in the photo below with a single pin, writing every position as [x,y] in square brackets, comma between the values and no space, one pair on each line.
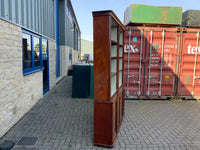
[133,70]
[189,83]
[150,62]
[161,63]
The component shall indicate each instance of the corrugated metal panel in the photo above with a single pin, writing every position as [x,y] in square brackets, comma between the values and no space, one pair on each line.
[33,13]
[39,18]
[24,13]
[48,18]
[36,15]
[62,22]
[162,62]
[45,17]
[28,10]
[154,75]
[2,8]
[17,11]
[69,35]
[189,81]
[10,10]
[6,7]
[50,12]
[13,11]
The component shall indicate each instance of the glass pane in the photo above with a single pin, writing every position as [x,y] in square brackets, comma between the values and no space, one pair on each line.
[120,64]
[44,48]
[121,38]
[36,42]
[114,51]
[27,56]
[45,65]
[121,52]
[113,84]
[114,31]
[120,78]
[113,66]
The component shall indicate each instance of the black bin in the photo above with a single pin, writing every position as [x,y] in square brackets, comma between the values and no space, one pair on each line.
[81,81]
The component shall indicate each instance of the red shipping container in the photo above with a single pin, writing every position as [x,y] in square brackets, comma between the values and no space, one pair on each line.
[154,64]
[189,76]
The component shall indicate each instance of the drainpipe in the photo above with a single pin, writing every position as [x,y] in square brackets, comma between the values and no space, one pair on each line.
[57,39]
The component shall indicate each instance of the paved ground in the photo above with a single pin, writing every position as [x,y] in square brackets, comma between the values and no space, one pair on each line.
[63,123]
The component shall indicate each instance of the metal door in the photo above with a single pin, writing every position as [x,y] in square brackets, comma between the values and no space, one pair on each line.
[151,62]
[45,59]
[189,82]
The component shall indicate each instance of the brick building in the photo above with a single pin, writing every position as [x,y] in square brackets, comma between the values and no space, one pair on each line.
[39,39]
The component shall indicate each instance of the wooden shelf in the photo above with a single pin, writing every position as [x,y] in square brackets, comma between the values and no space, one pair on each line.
[113,42]
[113,74]
[114,57]
[108,77]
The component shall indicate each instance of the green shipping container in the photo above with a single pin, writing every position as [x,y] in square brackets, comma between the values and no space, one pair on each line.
[145,14]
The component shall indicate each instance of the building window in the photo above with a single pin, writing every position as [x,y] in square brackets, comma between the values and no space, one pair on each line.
[27,55]
[31,52]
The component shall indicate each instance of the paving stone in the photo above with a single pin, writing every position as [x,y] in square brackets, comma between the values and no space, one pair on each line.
[62,123]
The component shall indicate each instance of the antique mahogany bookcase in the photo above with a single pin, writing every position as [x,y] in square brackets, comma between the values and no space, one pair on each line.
[108,77]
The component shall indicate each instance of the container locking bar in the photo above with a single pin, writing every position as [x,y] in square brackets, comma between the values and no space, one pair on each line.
[127,84]
[161,64]
[195,63]
[140,67]
[150,62]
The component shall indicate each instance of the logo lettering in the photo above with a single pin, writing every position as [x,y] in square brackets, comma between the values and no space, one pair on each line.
[193,50]
[131,48]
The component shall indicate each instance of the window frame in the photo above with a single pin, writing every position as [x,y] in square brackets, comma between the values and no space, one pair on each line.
[33,69]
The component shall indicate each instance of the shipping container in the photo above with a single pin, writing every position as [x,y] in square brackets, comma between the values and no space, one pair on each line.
[189,74]
[191,18]
[146,14]
[161,62]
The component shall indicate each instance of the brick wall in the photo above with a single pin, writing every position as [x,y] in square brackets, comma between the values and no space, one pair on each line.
[64,60]
[18,93]
[52,63]
[65,63]
[75,56]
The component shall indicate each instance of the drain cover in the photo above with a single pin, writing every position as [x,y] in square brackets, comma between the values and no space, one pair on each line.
[7,145]
[27,141]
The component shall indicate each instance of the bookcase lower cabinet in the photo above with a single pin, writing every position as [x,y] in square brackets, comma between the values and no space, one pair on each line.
[108,77]
[107,120]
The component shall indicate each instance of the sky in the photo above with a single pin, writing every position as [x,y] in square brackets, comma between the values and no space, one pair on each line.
[83,10]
